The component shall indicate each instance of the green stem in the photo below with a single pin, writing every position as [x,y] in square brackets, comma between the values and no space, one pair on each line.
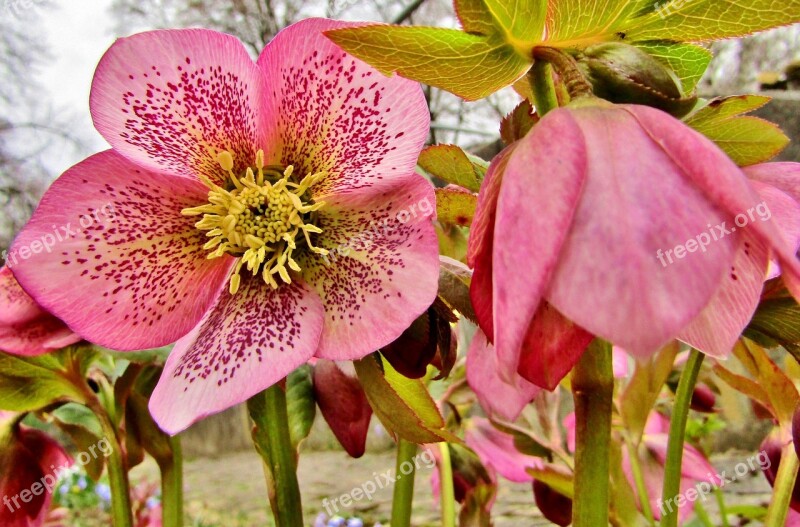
[783,488]
[638,477]
[544,91]
[404,485]
[172,485]
[273,443]
[447,494]
[702,515]
[592,388]
[677,434]
[575,82]
[117,469]
[723,510]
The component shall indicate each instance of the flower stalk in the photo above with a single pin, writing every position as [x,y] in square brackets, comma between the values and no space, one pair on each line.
[783,487]
[172,485]
[404,487]
[677,435]
[592,388]
[544,90]
[117,469]
[574,80]
[273,443]
[447,494]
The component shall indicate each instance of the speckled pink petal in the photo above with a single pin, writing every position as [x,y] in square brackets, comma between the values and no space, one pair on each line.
[117,261]
[170,100]
[541,188]
[722,182]
[245,344]
[497,397]
[383,268]
[637,204]
[328,111]
[719,325]
[36,337]
[17,306]
[552,346]
[717,328]
[25,328]
[496,449]
[481,242]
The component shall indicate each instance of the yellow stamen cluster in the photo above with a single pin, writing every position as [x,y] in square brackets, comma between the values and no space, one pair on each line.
[258,220]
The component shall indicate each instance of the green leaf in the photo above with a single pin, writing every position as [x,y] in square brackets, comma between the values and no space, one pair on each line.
[642,391]
[688,61]
[451,164]
[403,405]
[471,66]
[777,323]
[78,415]
[702,20]
[518,123]
[524,442]
[454,280]
[589,21]
[300,404]
[779,388]
[555,477]
[455,206]
[747,140]
[32,383]
[518,22]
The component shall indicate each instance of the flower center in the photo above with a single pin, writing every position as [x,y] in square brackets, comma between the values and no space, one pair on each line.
[261,219]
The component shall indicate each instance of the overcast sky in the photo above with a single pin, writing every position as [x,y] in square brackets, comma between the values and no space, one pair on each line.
[78,32]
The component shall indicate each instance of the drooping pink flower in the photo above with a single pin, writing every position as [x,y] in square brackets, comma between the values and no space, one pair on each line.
[265,213]
[30,462]
[497,451]
[696,472]
[26,328]
[619,222]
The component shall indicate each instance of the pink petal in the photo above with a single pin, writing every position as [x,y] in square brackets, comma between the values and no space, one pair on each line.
[328,111]
[18,306]
[171,100]
[720,180]
[245,344]
[637,204]
[496,450]
[25,328]
[383,268]
[343,404]
[782,175]
[720,324]
[117,261]
[552,347]
[481,242]
[570,425]
[535,209]
[619,361]
[497,397]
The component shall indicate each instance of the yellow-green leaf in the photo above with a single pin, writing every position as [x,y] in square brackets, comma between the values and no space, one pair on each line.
[451,164]
[471,66]
[747,140]
[455,206]
[699,20]
[688,61]
[403,405]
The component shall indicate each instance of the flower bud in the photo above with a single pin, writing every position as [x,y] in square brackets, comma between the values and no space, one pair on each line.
[343,404]
[622,73]
[554,506]
[703,399]
[411,353]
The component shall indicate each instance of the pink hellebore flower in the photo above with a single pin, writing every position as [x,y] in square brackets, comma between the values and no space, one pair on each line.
[623,223]
[29,464]
[497,451]
[25,328]
[264,213]
[696,472]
